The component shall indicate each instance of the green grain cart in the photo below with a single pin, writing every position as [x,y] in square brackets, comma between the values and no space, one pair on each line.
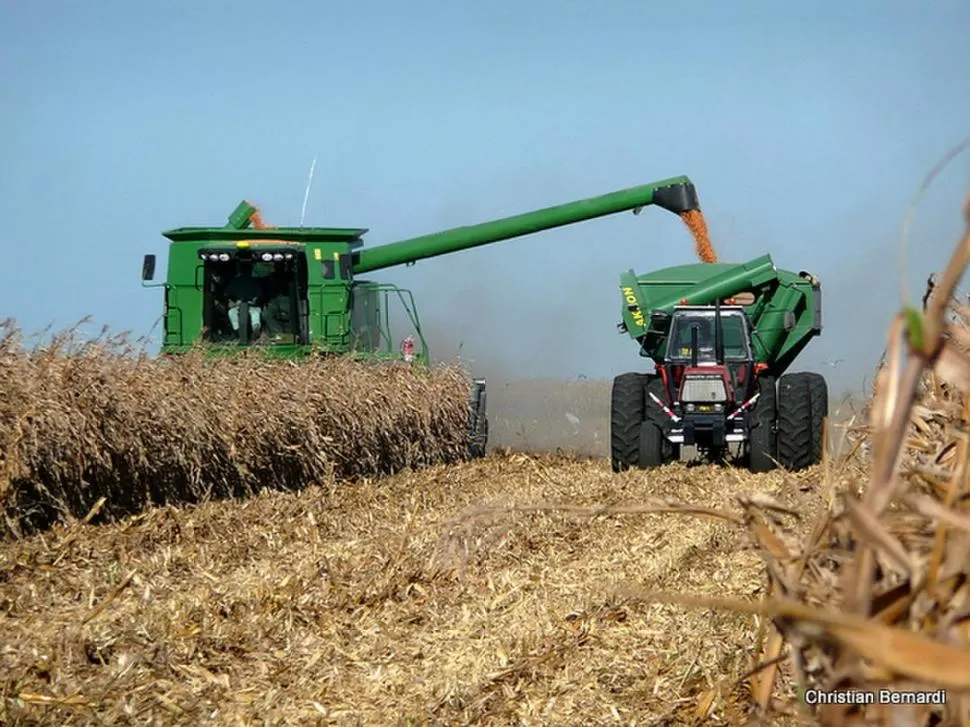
[721,337]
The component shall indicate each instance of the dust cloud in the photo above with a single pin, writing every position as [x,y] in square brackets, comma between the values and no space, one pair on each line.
[547,413]
[532,414]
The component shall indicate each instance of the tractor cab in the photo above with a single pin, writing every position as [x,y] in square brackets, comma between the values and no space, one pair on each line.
[709,361]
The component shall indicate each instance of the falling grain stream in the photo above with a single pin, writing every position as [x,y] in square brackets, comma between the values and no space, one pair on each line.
[694,219]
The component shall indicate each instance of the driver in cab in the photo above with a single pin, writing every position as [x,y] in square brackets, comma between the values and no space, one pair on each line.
[705,338]
[244,288]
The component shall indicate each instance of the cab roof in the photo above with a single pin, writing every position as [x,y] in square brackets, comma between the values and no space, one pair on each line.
[349,235]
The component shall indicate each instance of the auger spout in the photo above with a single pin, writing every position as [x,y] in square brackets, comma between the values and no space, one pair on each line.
[675,195]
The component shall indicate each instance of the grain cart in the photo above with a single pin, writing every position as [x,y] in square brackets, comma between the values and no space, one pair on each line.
[296,291]
[721,337]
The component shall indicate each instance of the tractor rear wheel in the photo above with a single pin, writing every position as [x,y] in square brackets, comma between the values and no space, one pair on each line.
[796,441]
[626,419]
[763,441]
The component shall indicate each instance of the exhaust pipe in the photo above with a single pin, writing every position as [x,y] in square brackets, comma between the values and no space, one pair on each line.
[718,334]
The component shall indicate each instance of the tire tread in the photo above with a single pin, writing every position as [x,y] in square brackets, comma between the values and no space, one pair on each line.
[626,416]
[795,440]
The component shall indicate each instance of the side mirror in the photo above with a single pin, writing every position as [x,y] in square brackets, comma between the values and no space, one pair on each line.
[660,321]
[148,268]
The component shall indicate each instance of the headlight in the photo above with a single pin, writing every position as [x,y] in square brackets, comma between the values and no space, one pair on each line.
[224,257]
[690,407]
[288,256]
[267,257]
[214,256]
[278,256]
[719,407]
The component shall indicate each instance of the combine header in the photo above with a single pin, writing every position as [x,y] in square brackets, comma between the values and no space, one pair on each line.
[296,291]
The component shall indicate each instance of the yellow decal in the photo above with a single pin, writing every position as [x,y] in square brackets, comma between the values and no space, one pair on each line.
[242,243]
[631,299]
[317,254]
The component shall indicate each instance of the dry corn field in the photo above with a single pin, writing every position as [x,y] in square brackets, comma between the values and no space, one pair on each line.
[361,575]
[83,420]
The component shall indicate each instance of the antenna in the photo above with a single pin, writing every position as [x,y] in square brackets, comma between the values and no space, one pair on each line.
[306,193]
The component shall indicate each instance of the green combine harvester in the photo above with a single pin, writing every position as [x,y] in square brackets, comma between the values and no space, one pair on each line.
[292,292]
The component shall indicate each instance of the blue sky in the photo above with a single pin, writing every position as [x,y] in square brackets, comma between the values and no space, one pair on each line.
[806,131]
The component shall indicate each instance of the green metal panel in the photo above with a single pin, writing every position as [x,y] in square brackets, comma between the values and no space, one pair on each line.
[785,313]
[184,309]
[806,307]
[635,314]
[241,217]
[290,234]
[703,283]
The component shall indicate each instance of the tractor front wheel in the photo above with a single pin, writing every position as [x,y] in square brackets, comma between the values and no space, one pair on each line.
[655,450]
[651,446]
[763,442]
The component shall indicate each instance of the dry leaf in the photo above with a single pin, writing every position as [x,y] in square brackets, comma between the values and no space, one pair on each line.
[953,368]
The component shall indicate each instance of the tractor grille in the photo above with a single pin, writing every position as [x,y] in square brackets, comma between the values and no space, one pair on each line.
[703,389]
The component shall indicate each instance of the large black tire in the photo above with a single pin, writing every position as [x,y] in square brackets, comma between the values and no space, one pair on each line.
[819,395]
[763,443]
[655,450]
[626,419]
[795,434]
[651,446]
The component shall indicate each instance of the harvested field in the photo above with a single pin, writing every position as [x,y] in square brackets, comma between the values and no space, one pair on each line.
[405,600]
[84,420]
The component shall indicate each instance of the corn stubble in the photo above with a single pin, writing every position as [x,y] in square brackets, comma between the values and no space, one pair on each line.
[482,593]
[85,421]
